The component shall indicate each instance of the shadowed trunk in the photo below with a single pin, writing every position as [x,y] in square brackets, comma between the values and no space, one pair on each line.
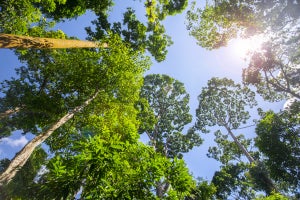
[25,42]
[22,156]
[9,112]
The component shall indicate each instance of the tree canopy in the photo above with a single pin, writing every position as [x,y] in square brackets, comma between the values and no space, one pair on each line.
[88,109]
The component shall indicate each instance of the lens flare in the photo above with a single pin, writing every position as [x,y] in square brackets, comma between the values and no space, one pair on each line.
[241,47]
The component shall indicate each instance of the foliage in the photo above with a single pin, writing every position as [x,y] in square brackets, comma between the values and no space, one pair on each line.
[67,9]
[53,82]
[216,24]
[13,13]
[231,181]
[18,16]
[226,150]
[203,191]
[273,72]
[141,37]
[221,21]
[278,139]
[223,103]
[169,113]
[274,196]
[111,166]
[21,185]
[159,10]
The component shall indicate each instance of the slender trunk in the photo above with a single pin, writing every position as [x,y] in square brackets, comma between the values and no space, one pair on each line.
[25,42]
[9,112]
[242,148]
[22,156]
[266,179]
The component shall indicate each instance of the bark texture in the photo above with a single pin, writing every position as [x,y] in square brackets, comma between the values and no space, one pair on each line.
[25,42]
[22,156]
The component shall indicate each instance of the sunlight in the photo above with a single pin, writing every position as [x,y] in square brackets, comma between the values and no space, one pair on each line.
[241,47]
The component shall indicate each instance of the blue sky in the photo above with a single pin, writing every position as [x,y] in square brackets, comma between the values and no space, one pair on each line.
[186,62]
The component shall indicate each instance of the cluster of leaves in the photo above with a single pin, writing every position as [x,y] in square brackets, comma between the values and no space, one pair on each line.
[150,37]
[278,139]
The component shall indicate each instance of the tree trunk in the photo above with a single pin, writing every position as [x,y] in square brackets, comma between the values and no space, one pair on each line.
[9,112]
[22,156]
[25,42]
[242,148]
[268,181]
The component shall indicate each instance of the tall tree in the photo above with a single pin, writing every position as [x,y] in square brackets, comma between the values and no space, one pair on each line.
[52,89]
[165,118]
[21,158]
[224,103]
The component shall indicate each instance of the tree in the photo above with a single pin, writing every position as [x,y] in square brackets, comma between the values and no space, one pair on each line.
[164,115]
[222,21]
[25,42]
[21,158]
[161,9]
[168,101]
[17,17]
[278,140]
[223,103]
[68,9]
[52,89]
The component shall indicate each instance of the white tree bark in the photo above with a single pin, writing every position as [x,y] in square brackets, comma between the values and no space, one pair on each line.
[22,156]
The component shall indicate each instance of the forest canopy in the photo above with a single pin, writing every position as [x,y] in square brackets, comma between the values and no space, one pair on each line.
[105,127]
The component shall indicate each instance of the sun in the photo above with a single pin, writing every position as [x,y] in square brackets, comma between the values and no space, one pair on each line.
[241,47]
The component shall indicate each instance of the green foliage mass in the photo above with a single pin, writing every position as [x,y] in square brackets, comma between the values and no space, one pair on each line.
[54,82]
[223,103]
[278,139]
[140,36]
[164,122]
[21,186]
[111,166]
